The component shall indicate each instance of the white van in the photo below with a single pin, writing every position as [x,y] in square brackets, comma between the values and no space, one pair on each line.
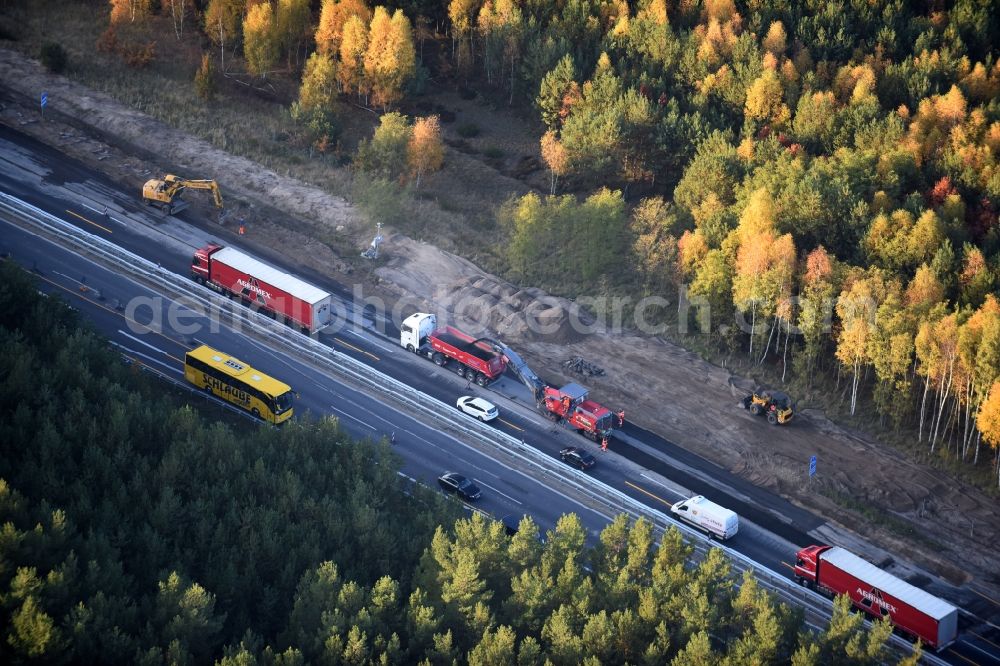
[707,516]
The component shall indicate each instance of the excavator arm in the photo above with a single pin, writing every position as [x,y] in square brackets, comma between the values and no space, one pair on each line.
[205,185]
[519,366]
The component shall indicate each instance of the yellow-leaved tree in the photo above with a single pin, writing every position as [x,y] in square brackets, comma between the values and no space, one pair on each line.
[222,25]
[988,421]
[765,100]
[353,46]
[555,158]
[292,27]
[333,18]
[425,151]
[130,11]
[259,44]
[391,58]
[319,84]
[765,264]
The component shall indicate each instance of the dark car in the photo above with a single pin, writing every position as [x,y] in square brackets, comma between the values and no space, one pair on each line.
[577,458]
[461,486]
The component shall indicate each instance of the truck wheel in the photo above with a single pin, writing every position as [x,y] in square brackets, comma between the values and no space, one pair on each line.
[481,380]
[255,412]
[438,358]
[772,418]
[754,408]
[410,349]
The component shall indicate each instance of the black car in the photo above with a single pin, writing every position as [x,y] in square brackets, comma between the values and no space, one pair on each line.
[577,458]
[461,486]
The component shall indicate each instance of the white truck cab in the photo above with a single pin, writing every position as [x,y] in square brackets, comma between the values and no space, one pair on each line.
[708,516]
[415,329]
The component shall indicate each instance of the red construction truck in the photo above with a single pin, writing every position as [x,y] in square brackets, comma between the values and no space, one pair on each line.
[282,296]
[835,571]
[472,358]
[570,403]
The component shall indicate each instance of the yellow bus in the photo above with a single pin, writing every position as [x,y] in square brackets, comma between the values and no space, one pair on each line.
[238,383]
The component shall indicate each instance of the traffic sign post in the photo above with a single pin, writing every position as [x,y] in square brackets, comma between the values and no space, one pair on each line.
[812,467]
[43,102]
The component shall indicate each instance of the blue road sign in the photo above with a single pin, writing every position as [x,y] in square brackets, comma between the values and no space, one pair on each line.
[45,99]
[812,467]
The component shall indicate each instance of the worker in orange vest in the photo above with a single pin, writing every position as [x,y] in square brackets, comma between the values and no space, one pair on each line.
[621,417]
[604,444]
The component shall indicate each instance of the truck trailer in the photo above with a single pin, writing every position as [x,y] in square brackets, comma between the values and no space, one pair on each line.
[707,516]
[282,296]
[472,358]
[835,571]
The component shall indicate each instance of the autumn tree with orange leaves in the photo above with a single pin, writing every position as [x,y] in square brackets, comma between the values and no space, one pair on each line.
[390,59]
[333,18]
[425,150]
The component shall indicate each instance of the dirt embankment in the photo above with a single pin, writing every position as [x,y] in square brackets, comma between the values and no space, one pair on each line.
[665,388]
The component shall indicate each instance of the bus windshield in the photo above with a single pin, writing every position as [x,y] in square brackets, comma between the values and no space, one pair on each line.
[283,402]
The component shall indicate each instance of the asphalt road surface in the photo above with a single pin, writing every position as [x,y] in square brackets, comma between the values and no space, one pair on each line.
[649,468]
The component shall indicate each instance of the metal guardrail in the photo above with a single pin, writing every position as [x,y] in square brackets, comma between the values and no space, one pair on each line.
[429,408]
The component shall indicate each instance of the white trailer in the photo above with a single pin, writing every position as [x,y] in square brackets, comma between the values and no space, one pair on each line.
[707,516]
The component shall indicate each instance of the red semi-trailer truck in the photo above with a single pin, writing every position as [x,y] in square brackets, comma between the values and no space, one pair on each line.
[473,358]
[836,571]
[256,284]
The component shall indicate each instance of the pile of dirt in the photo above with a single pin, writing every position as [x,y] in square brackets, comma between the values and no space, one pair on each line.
[664,387]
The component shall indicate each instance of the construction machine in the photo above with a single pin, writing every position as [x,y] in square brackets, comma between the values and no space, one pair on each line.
[166,192]
[775,404]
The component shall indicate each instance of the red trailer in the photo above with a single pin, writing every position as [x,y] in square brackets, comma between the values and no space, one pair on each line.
[238,275]
[474,358]
[836,571]
[570,403]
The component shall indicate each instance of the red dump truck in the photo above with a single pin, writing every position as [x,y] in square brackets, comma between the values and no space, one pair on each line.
[472,358]
[282,296]
[835,571]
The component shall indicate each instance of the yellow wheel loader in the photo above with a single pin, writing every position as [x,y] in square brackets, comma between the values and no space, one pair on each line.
[775,404]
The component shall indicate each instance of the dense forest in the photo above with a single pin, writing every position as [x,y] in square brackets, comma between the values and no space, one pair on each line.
[819,179]
[138,527]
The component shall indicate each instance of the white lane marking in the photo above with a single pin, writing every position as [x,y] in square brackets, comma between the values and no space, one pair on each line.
[353,418]
[144,344]
[71,279]
[368,411]
[498,492]
[369,339]
[148,358]
[661,484]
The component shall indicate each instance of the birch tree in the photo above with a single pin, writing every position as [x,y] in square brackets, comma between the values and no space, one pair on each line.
[260,46]
[425,151]
[333,18]
[988,421]
[222,25]
[857,307]
[351,73]
[390,59]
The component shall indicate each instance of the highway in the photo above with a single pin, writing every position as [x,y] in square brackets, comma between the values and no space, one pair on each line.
[138,320]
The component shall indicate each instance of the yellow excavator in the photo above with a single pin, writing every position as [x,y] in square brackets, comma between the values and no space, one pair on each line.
[166,192]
